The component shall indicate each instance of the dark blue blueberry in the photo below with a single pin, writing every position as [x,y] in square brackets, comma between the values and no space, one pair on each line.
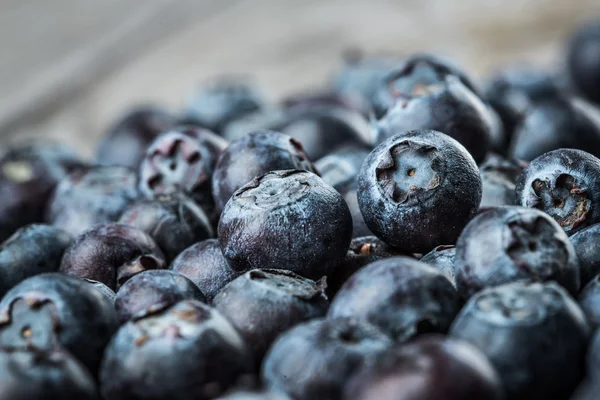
[349,191]
[418,189]
[565,184]
[186,351]
[498,181]
[507,244]
[51,310]
[427,93]
[363,250]
[558,122]
[443,259]
[401,296]
[286,220]
[342,165]
[589,301]
[28,175]
[35,375]
[253,155]
[204,264]
[315,359]
[111,254]
[534,334]
[261,304]
[174,221]
[32,250]
[430,368]
[586,246]
[583,60]
[89,197]
[105,290]
[126,141]
[219,102]
[154,288]
[513,90]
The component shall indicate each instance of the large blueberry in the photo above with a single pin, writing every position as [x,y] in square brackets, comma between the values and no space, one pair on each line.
[585,243]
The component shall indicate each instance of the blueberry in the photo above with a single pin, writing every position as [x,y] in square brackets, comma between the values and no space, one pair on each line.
[429,368]
[349,191]
[513,90]
[34,375]
[28,175]
[54,309]
[534,334]
[418,189]
[265,119]
[215,143]
[565,184]
[177,161]
[246,395]
[443,259]
[363,250]
[588,252]
[253,155]
[186,351]
[174,221]
[315,359]
[589,301]
[223,100]
[102,288]
[31,250]
[498,181]
[89,197]
[401,296]
[554,123]
[342,165]
[593,355]
[286,220]
[204,264]
[507,244]
[426,94]
[111,254]
[583,60]
[261,304]
[127,139]
[320,99]
[154,288]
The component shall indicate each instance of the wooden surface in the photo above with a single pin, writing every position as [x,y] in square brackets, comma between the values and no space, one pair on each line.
[69,67]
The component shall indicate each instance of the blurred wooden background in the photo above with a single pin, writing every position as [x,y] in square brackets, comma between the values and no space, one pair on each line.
[69,67]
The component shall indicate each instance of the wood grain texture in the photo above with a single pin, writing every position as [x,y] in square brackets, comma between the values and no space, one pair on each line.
[71,66]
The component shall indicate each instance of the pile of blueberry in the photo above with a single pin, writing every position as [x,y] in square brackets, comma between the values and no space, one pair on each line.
[401,234]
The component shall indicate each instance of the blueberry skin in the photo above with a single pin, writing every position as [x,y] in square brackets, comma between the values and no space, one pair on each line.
[204,264]
[111,254]
[223,100]
[513,90]
[186,351]
[558,122]
[593,355]
[401,296]
[363,250]
[443,259]
[152,288]
[507,244]
[342,165]
[409,175]
[105,290]
[589,301]
[261,304]
[245,395]
[565,184]
[429,368]
[583,60]
[55,309]
[28,175]
[349,191]
[286,220]
[498,181]
[533,333]
[588,252]
[126,141]
[89,197]
[31,250]
[175,222]
[315,359]
[253,155]
[34,375]
[426,95]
